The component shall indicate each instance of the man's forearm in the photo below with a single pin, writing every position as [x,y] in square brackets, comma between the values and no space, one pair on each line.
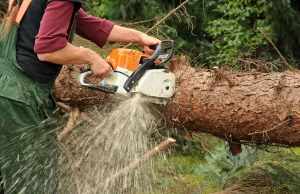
[121,34]
[69,55]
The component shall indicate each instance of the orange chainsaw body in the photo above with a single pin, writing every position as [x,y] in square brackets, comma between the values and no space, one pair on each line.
[125,58]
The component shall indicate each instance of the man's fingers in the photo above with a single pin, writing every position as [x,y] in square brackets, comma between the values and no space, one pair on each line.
[101,69]
[102,74]
[153,41]
[148,50]
[107,74]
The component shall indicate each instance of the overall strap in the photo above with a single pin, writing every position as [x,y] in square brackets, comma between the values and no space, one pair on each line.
[22,9]
[10,4]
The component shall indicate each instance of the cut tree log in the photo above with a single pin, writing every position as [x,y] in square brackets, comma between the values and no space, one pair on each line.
[264,108]
[259,108]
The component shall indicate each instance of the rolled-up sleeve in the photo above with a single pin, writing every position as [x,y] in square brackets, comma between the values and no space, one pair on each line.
[92,28]
[53,32]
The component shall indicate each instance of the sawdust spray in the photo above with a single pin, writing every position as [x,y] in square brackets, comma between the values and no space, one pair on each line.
[115,136]
[26,167]
[84,162]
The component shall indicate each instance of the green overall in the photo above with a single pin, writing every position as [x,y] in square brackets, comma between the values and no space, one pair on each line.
[28,144]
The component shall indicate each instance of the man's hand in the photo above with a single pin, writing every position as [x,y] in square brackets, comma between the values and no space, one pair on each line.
[147,41]
[100,67]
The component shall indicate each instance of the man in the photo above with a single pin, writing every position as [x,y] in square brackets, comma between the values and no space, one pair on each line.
[32,53]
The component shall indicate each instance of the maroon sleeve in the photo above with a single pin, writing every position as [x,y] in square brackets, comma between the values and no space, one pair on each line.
[93,28]
[52,34]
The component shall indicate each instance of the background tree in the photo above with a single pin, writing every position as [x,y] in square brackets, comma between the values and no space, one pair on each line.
[283,18]
[3,7]
[214,32]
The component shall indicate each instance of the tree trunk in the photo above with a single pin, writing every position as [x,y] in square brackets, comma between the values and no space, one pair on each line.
[236,106]
[259,108]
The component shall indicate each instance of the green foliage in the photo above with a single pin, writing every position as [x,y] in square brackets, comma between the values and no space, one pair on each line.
[221,164]
[186,170]
[214,32]
[3,8]
[283,17]
[267,177]
[126,10]
[186,147]
[235,33]
[284,179]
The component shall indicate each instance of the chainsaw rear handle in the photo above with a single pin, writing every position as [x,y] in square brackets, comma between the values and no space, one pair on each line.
[85,72]
[82,75]
[160,53]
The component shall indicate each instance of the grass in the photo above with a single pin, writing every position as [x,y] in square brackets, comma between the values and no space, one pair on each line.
[190,172]
[176,175]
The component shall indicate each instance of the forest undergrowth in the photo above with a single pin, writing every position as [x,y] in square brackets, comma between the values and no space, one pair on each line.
[203,165]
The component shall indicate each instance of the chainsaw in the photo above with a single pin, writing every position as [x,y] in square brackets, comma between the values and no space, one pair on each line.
[135,72]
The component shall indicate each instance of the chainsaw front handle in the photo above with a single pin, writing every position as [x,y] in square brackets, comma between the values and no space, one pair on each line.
[161,53]
[166,53]
[139,72]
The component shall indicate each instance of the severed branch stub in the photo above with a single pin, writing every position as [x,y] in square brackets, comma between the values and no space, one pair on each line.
[64,106]
[222,75]
[70,124]
[235,147]
[174,65]
[143,159]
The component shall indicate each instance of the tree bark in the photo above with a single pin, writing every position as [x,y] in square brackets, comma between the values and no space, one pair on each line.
[237,106]
[259,108]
